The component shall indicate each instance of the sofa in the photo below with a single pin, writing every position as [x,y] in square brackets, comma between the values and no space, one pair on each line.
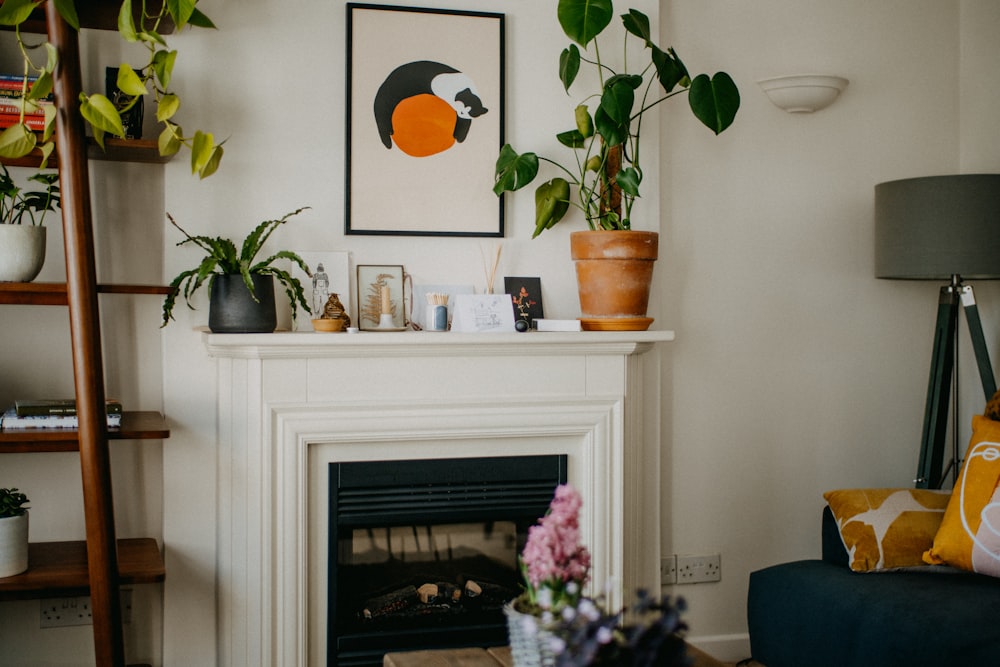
[821,613]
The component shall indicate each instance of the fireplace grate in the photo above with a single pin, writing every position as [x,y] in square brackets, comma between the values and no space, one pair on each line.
[375,493]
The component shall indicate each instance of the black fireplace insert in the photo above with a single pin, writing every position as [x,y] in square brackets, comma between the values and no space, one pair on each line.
[423,553]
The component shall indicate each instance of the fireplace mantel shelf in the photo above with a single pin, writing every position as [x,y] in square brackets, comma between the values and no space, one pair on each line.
[428,344]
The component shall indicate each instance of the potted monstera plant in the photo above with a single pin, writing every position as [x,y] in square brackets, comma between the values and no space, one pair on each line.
[13,532]
[604,175]
[22,236]
[241,287]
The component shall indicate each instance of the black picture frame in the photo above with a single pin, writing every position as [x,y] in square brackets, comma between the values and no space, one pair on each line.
[424,121]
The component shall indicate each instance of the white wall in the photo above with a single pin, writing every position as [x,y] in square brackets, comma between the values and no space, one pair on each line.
[794,370]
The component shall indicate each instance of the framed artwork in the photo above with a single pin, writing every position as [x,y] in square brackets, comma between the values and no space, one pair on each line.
[526,298]
[380,298]
[331,275]
[425,117]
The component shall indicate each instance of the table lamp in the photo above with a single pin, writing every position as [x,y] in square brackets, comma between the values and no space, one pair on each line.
[942,228]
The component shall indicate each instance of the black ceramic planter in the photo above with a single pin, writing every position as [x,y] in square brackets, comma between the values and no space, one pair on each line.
[231,309]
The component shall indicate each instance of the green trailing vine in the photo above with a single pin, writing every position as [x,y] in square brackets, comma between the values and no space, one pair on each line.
[136,83]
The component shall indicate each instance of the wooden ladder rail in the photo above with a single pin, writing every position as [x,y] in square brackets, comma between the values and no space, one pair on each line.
[81,285]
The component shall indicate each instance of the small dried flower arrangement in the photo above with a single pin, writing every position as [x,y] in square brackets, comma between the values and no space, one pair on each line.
[577,630]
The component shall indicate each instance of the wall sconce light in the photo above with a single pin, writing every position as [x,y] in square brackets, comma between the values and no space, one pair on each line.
[803,93]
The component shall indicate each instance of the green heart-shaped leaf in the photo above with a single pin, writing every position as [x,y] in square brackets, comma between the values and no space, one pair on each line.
[16,141]
[514,171]
[637,23]
[129,82]
[551,204]
[101,114]
[569,65]
[629,178]
[582,20]
[714,101]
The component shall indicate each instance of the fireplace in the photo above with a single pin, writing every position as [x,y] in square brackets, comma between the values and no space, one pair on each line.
[423,553]
[292,404]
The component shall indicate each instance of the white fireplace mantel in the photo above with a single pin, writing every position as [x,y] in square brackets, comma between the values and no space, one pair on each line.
[291,403]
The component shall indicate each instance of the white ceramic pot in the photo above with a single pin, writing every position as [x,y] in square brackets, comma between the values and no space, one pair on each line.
[13,545]
[22,252]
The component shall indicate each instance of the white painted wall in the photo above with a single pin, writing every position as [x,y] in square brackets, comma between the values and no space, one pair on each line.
[794,370]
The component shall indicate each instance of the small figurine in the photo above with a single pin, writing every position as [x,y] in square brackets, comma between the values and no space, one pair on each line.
[334,310]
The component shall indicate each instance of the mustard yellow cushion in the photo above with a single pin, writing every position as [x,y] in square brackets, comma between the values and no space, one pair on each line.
[969,537]
[885,529]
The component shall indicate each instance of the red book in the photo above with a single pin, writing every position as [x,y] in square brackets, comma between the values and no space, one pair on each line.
[33,121]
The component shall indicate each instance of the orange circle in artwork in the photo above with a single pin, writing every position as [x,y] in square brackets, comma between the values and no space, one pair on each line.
[423,125]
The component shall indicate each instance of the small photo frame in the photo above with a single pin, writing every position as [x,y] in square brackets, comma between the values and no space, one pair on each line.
[331,275]
[526,298]
[380,298]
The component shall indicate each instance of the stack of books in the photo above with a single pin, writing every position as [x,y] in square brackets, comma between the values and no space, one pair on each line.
[52,413]
[11,86]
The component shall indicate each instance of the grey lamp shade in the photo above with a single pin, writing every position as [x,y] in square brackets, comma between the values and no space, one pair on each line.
[934,227]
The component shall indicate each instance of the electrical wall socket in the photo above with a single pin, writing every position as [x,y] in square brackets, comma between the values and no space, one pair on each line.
[699,569]
[63,612]
[668,570]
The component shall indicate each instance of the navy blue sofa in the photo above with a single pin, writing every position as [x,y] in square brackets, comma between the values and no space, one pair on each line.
[818,613]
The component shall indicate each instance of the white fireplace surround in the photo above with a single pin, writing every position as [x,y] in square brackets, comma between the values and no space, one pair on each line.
[291,403]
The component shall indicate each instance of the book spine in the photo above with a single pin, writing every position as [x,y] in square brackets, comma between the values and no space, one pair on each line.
[33,122]
[16,110]
[15,94]
[11,421]
[57,408]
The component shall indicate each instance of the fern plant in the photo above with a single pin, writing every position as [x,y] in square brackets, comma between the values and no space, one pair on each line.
[222,258]
[12,503]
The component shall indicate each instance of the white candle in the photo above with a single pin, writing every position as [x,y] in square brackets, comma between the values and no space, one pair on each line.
[386,303]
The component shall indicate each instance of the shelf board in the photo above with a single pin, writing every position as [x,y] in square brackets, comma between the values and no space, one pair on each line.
[99,15]
[135,426]
[116,150]
[54,294]
[59,569]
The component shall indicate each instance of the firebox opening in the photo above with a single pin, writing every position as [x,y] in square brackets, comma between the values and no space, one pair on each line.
[424,553]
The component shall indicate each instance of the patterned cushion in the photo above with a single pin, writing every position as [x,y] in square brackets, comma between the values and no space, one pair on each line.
[969,537]
[885,529]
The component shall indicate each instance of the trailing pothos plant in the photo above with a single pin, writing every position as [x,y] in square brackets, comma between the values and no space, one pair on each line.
[136,83]
[222,258]
[606,141]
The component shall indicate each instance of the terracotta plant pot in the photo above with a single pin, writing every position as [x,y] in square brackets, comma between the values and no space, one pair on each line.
[614,271]
[22,252]
[231,309]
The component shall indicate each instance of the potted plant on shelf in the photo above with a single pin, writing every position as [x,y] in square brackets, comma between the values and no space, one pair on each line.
[103,116]
[13,532]
[554,623]
[241,290]
[606,172]
[22,236]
